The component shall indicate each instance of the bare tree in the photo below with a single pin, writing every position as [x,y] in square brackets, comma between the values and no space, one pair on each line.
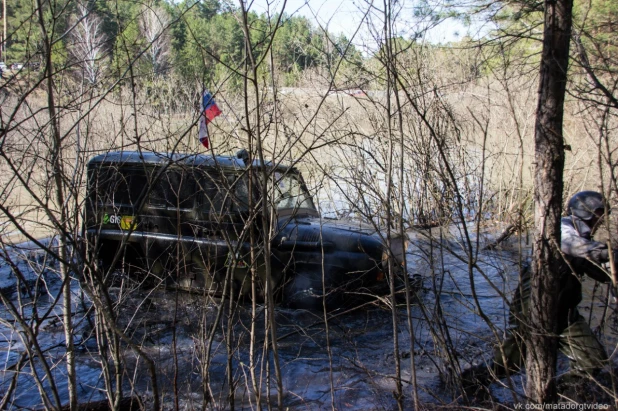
[423,153]
[88,45]
[153,26]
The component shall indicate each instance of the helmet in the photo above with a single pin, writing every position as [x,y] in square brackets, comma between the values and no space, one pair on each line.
[586,204]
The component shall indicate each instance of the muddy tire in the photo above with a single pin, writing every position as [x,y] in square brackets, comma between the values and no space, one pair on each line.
[304,290]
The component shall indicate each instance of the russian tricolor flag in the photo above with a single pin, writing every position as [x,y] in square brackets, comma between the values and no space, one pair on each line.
[210,110]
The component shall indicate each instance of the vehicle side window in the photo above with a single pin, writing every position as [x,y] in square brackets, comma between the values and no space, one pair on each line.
[174,189]
[115,185]
[208,184]
[241,192]
[222,193]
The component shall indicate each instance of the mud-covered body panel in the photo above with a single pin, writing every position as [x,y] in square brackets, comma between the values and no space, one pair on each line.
[319,242]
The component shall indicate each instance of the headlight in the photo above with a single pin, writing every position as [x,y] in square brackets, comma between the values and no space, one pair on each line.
[397,251]
[384,256]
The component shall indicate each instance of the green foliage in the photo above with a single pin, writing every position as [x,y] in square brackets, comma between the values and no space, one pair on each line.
[208,44]
[520,27]
[23,32]
[598,22]
[128,44]
[297,46]
[208,50]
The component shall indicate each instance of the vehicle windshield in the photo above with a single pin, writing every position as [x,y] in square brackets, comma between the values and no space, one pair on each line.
[290,193]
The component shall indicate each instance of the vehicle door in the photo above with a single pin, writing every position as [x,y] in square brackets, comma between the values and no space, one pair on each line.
[287,199]
[167,219]
[115,193]
[223,218]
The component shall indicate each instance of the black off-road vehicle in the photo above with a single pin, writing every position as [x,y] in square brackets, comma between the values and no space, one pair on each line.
[185,221]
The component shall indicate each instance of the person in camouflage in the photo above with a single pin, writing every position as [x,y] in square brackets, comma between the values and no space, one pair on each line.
[583,256]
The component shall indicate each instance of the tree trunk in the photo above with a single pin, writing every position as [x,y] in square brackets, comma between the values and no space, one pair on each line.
[542,335]
[62,226]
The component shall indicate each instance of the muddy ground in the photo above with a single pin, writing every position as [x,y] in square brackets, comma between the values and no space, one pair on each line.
[348,365]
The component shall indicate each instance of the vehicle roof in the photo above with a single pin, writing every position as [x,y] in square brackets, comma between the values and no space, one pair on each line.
[149,157]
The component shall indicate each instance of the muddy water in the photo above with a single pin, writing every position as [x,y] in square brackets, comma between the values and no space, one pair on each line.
[351,364]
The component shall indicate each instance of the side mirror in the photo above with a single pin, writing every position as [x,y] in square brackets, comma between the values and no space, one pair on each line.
[243,155]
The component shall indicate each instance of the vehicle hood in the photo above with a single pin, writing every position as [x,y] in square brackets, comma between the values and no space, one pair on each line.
[306,232]
[345,235]
[335,226]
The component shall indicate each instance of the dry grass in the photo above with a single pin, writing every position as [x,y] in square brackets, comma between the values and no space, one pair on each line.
[326,133]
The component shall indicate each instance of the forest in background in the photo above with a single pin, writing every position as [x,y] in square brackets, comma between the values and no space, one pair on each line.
[402,134]
[185,42]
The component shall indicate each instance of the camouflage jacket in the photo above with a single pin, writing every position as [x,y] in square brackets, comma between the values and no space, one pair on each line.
[583,256]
